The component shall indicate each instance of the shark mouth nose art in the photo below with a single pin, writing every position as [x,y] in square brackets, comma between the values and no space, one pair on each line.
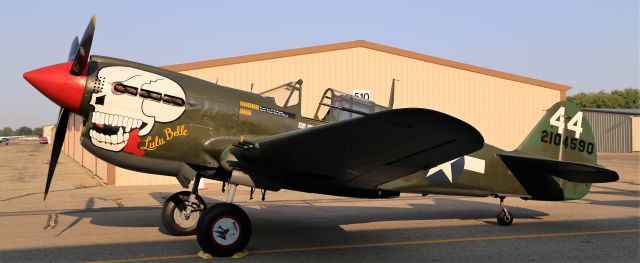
[112,131]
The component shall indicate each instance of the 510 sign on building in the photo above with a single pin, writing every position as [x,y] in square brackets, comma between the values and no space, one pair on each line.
[362,94]
[574,124]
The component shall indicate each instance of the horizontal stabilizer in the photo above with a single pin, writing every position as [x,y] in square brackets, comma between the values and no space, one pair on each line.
[570,171]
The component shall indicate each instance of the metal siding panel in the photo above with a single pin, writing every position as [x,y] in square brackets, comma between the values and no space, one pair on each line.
[89,161]
[77,129]
[67,139]
[101,169]
[635,133]
[612,132]
[126,177]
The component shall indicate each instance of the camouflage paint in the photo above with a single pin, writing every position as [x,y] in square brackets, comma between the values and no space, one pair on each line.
[215,117]
[497,179]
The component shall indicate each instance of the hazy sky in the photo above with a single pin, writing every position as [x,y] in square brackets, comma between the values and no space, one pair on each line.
[589,45]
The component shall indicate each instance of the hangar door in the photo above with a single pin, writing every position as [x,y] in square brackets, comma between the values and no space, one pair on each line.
[612,131]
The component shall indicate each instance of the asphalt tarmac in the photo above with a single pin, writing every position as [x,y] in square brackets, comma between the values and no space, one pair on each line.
[83,220]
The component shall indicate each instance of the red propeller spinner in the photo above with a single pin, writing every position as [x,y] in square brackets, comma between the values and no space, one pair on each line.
[57,84]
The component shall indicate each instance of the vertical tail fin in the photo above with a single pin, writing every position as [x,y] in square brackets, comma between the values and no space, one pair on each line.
[563,133]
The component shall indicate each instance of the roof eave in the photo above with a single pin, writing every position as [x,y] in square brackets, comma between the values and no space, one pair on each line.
[369,45]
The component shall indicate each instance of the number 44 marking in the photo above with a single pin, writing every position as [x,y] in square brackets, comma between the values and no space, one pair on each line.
[575,124]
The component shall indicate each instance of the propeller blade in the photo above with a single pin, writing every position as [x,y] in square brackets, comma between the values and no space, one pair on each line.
[58,140]
[82,55]
[75,45]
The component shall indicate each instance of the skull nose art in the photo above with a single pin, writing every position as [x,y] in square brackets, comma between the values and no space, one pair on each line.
[57,84]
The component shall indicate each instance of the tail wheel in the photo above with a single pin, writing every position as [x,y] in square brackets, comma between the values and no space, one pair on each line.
[223,230]
[180,216]
[505,218]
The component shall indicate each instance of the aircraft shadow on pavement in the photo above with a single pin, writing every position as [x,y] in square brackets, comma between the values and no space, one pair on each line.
[271,215]
[281,233]
[619,193]
[612,191]
[322,214]
[623,203]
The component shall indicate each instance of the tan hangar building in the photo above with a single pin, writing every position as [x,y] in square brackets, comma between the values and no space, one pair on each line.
[504,107]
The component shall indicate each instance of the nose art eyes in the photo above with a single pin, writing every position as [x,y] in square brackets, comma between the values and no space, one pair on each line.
[100,100]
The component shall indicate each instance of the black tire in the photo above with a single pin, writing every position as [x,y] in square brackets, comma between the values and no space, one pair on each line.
[505,218]
[228,218]
[172,219]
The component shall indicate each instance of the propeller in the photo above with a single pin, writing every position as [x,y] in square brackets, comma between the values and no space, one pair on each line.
[79,54]
[57,146]
[81,58]
[75,45]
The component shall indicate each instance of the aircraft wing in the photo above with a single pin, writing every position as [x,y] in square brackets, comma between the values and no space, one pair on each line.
[364,152]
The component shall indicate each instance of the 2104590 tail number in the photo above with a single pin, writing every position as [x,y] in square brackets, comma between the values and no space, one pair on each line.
[568,143]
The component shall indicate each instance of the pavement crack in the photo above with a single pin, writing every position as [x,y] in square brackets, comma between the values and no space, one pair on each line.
[30,194]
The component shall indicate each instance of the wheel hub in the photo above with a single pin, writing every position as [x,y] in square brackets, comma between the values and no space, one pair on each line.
[187,217]
[225,231]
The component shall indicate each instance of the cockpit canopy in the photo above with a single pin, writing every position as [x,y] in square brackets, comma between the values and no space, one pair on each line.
[341,99]
[334,105]
[286,95]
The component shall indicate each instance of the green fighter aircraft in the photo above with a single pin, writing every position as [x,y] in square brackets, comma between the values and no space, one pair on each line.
[153,120]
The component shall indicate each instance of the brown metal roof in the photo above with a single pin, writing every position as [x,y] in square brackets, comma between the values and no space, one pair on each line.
[369,45]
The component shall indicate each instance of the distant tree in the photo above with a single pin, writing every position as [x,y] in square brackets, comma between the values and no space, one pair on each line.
[7,131]
[37,131]
[628,98]
[24,130]
[631,97]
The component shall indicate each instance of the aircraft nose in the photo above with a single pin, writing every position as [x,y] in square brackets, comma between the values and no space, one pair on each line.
[57,84]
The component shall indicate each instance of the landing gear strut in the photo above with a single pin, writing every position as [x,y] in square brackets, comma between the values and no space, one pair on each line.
[181,211]
[504,216]
[224,229]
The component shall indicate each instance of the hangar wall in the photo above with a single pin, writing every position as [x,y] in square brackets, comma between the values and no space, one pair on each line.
[635,134]
[48,131]
[615,130]
[73,148]
[503,106]
[612,132]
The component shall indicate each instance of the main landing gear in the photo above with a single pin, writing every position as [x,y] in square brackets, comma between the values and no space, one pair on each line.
[181,211]
[504,216]
[224,229]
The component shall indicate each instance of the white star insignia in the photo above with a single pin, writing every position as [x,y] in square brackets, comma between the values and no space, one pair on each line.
[445,168]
